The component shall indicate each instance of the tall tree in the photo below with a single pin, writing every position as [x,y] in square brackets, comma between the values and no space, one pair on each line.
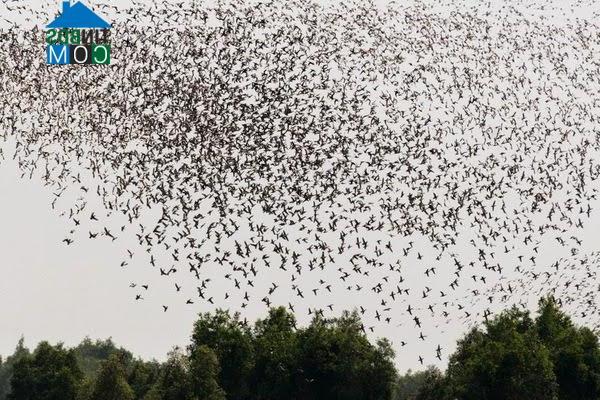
[574,352]
[205,374]
[506,361]
[175,381]
[111,383]
[433,386]
[276,347]
[142,375]
[337,361]
[6,368]
[409,385]
[380,368]
[91,354]
[231,342]
[50,373]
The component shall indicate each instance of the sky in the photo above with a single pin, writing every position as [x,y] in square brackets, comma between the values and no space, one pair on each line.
[60,293]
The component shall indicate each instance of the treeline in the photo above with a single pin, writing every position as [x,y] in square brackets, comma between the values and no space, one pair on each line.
[510,357]
[515,357]
[227,359]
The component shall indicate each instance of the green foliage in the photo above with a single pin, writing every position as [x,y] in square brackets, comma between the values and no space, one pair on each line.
[154,393]
[205,374]
[422,385]
[434,386]
[275,344]
[50,373]
[142,375]
[408,386]
[336,360]
[329,359]
[510,357]
[508,361]
[6,368]
[516,357]
[175,381]
[86,388]
[231,341]
[227,359]
[111,383]
[91,354]
[574,352]
[381,370]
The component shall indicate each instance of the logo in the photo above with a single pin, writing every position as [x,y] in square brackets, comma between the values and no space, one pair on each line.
[78,36]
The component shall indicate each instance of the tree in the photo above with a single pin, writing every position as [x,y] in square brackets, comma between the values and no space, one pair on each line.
[574,352]
[337,361]
[6,368]
[85,390]
[510,357]
[380,368]
[433,386]
[142,375]
[50,373]
[111,383]
[153,394]
[231,342]
[91,354]
[408,386]
[275,344]
[205,372]
[507,361]
[175,381]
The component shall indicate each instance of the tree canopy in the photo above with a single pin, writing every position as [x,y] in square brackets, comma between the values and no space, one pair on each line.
[515,356]
[512,356]
[50,373]
[227,358]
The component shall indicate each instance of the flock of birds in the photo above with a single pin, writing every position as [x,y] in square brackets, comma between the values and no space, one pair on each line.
[266,151]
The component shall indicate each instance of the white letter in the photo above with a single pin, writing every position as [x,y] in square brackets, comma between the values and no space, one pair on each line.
[63,54]
[75,54]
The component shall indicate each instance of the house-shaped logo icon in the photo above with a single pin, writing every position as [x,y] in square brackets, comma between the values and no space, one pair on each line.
[78,36]
[78,15]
